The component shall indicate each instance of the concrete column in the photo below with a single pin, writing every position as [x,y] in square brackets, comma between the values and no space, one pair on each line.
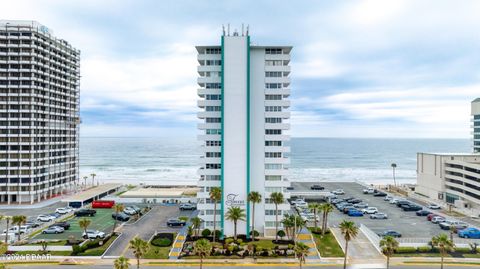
[9,198]
[19,198]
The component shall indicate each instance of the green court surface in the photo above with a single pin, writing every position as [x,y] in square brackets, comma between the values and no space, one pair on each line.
[102,221]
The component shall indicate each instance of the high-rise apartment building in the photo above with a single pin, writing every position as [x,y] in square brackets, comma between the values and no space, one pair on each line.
[476,124]
[39,113]
[244,91]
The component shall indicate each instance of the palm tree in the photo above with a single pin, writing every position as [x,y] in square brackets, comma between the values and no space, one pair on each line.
[215,196]
[85,181]
[202,248]
[394,165]
[302,251]
[388,245]
[7,221]
[139,248]
[197,222]
[326,209]
[254,197]
[277,198]
[93,178]
[443,244]
[453,229]
[121,263]
[117,208]
[315,207]
[235,214]
[84,223]
[349,231]
[19,221]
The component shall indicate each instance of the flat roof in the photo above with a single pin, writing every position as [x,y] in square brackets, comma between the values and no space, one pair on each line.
[451,154]
[92,193]
[157,192]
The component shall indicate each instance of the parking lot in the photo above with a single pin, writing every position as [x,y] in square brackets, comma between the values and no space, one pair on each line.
[102,221]
[406,223]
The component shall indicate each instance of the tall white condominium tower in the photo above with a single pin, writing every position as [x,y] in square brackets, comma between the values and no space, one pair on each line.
[39,113]
[243,92]
[476,124]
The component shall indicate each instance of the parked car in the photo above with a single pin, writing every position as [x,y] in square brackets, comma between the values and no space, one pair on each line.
[120,216]
[63,210]
[387,198]
[301,204]
[53,230]
[93,234]
[422,212]
[188,206]
[403,202]
[379,194]
[339,192]
[368,191]
[85,212]
[136,208]
[298,200]
[431,216]
[355,201]
[32,224]
[390,233]
[55,215]
[175,222]
[361,205]
[14,230]
[370,210]
[438,219]
[129,211]
[411,207]
[355,213]
[65,225]
[45,218]
[434,206]
[317,187]
[379,216]
[448,224]
[290,188]
[469,233]
[394,201]
[348,208]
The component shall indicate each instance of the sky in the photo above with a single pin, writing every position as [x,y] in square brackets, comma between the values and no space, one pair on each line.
[391,69]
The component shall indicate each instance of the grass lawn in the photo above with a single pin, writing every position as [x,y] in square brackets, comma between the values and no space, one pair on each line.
[433,255]
[53,253]
[155,252]
[53,243]
[328,245]
[264,243]
[98,251]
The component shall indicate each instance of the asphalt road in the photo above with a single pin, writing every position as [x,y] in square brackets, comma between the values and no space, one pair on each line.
[406,223]
[145,228]
[31,213]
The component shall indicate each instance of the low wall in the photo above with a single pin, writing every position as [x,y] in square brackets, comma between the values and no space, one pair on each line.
[39,248]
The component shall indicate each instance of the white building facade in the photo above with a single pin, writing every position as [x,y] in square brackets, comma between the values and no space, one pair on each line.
[450,178]
[476,124]
[39,113]
[244,91]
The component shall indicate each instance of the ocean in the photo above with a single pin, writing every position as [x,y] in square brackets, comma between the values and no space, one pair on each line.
[160,160]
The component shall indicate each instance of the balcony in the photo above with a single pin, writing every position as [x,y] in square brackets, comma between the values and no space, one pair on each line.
[278,68]
[209,68]
[283,137]
[208,137]
[284,80]
[284,91]
[283,114]
[282,103]
[203,80]
[203,57]
[203,91]
[209,114]
[283,57]
[282,126]
[203,103]
[203,126]
[284,160]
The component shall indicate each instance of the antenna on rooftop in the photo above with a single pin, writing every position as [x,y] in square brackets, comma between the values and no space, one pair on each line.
[223,29]
[248,27]
[228,29]
[243,32]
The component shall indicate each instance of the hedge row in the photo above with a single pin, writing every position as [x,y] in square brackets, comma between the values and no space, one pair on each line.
[427,249]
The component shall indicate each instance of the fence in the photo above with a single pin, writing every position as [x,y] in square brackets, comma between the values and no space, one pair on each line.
[371,236]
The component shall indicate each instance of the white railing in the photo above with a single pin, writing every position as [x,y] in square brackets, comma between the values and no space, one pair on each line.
[371,236]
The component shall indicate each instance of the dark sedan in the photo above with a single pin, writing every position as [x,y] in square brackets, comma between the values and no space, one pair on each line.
[422,212]
[317,187]
[391,233]
[120,216]
[175,222]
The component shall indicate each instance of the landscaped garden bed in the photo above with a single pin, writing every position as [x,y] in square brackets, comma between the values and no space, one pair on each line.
[160,246]
[228,248]
[428,251]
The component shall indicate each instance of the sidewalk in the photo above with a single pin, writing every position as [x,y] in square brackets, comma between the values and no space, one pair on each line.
[306,237]
[360,250]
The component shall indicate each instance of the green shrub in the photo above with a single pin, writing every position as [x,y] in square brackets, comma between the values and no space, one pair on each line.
[206,233]
[281,233]
[316,230]
[424,249]
[405,250]
[218,233]
[463,250]
[255,233]
[228,241]
[239,241]
[161,242]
